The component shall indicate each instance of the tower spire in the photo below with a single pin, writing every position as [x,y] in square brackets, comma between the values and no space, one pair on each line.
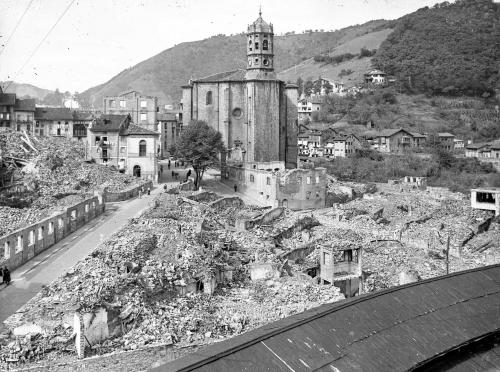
[260,10]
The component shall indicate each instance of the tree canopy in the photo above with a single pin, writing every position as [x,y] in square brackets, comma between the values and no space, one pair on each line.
[448,49]
[200,145]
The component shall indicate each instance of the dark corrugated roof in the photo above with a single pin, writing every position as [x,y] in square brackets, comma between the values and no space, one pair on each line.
[392,330]
[53,113]
[137,130]
[109,123]
[235,75]
[25,104]
[7,99]
[476,146]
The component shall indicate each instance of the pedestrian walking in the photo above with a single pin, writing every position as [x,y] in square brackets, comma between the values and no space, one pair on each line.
[235,187]
[140,193]
[1,274]
[169,164]
[6,275]
[180,229]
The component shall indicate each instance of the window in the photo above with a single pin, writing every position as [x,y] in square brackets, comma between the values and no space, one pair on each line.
[265,45]
[112,103]
[266,63]
[268,180]
[61,223]
[20,244]
[209,97]
[51,227]
[73,215]
[257,46]
[237,112]
[142,148]
[144,117]
[31,237]
[123,103]
[6,250]
[317,179]
[40,232]
[7,116]
[144,104]
[308,180]
[252,178]
[105,154]
[122,149]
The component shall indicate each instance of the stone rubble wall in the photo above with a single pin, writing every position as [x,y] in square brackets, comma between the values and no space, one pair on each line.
[128,194]
[22,245]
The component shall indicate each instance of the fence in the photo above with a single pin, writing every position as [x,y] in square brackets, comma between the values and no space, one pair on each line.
[22,245]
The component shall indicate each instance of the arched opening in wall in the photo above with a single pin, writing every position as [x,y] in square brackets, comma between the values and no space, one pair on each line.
[61,223]
[209,98]
[284,203]
[41,230]
[73,215]
[265,45]
[256,46]
[51,227]
[136,172]
[142,148]
[31,237]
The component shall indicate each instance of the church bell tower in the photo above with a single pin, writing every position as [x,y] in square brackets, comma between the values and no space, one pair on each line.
[260,50]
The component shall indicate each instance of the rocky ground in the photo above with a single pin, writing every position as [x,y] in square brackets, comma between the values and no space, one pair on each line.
[140,276]
[52,172]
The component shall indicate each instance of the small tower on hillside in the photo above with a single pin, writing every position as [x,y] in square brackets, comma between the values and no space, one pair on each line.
[260,50]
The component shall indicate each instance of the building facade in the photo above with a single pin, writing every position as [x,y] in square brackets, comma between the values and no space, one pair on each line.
[398,140]
[114,140]
[255,113]
[141,108]
[170,128]
[61,122]
[24,115]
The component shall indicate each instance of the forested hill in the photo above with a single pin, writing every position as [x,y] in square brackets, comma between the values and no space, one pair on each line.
[449,48]
[164,74]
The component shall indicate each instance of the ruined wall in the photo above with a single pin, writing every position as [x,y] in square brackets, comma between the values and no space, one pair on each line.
[226,202]
[266,218]
[22,245]
[128,194]
[256,183]
[302,189]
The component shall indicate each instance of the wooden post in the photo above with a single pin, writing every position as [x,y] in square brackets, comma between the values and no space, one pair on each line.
[448,254]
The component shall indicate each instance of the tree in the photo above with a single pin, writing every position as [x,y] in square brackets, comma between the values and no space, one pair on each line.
[316,87]
[300,85]
[199,145]
[308,87]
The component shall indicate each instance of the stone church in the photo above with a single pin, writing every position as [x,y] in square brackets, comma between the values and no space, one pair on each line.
[254,111]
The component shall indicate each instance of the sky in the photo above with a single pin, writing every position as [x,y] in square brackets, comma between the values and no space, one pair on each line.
[93,40]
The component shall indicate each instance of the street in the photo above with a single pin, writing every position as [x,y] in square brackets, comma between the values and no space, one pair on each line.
[28,279]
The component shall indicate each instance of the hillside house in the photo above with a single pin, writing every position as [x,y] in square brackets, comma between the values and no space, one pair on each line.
[114,140]
[446,141]
[397,140]
[342,146]
[309,143]
[141,108]
[458,144]
[477,150]
[329,86]
[307,106]
[375,77]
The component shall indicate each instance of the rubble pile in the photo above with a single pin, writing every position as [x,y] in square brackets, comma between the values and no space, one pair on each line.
[150,279]
[50,173]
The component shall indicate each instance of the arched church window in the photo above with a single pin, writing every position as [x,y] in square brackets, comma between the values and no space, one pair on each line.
[265,62]
[250,42]
[257,46]
[209,97]
[265,45]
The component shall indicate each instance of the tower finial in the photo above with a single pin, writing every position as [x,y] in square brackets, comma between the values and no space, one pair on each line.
[260,10]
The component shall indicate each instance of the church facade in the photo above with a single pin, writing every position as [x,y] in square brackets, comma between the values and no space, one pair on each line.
[254,111]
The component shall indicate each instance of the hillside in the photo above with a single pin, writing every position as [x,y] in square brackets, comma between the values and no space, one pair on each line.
[447,49]
[164,74]
[311,69]
[24,90]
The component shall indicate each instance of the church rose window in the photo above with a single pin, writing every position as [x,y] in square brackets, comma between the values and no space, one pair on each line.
[237,112]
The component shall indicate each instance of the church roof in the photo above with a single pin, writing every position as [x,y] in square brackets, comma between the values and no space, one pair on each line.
[260,25]
[235,75]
